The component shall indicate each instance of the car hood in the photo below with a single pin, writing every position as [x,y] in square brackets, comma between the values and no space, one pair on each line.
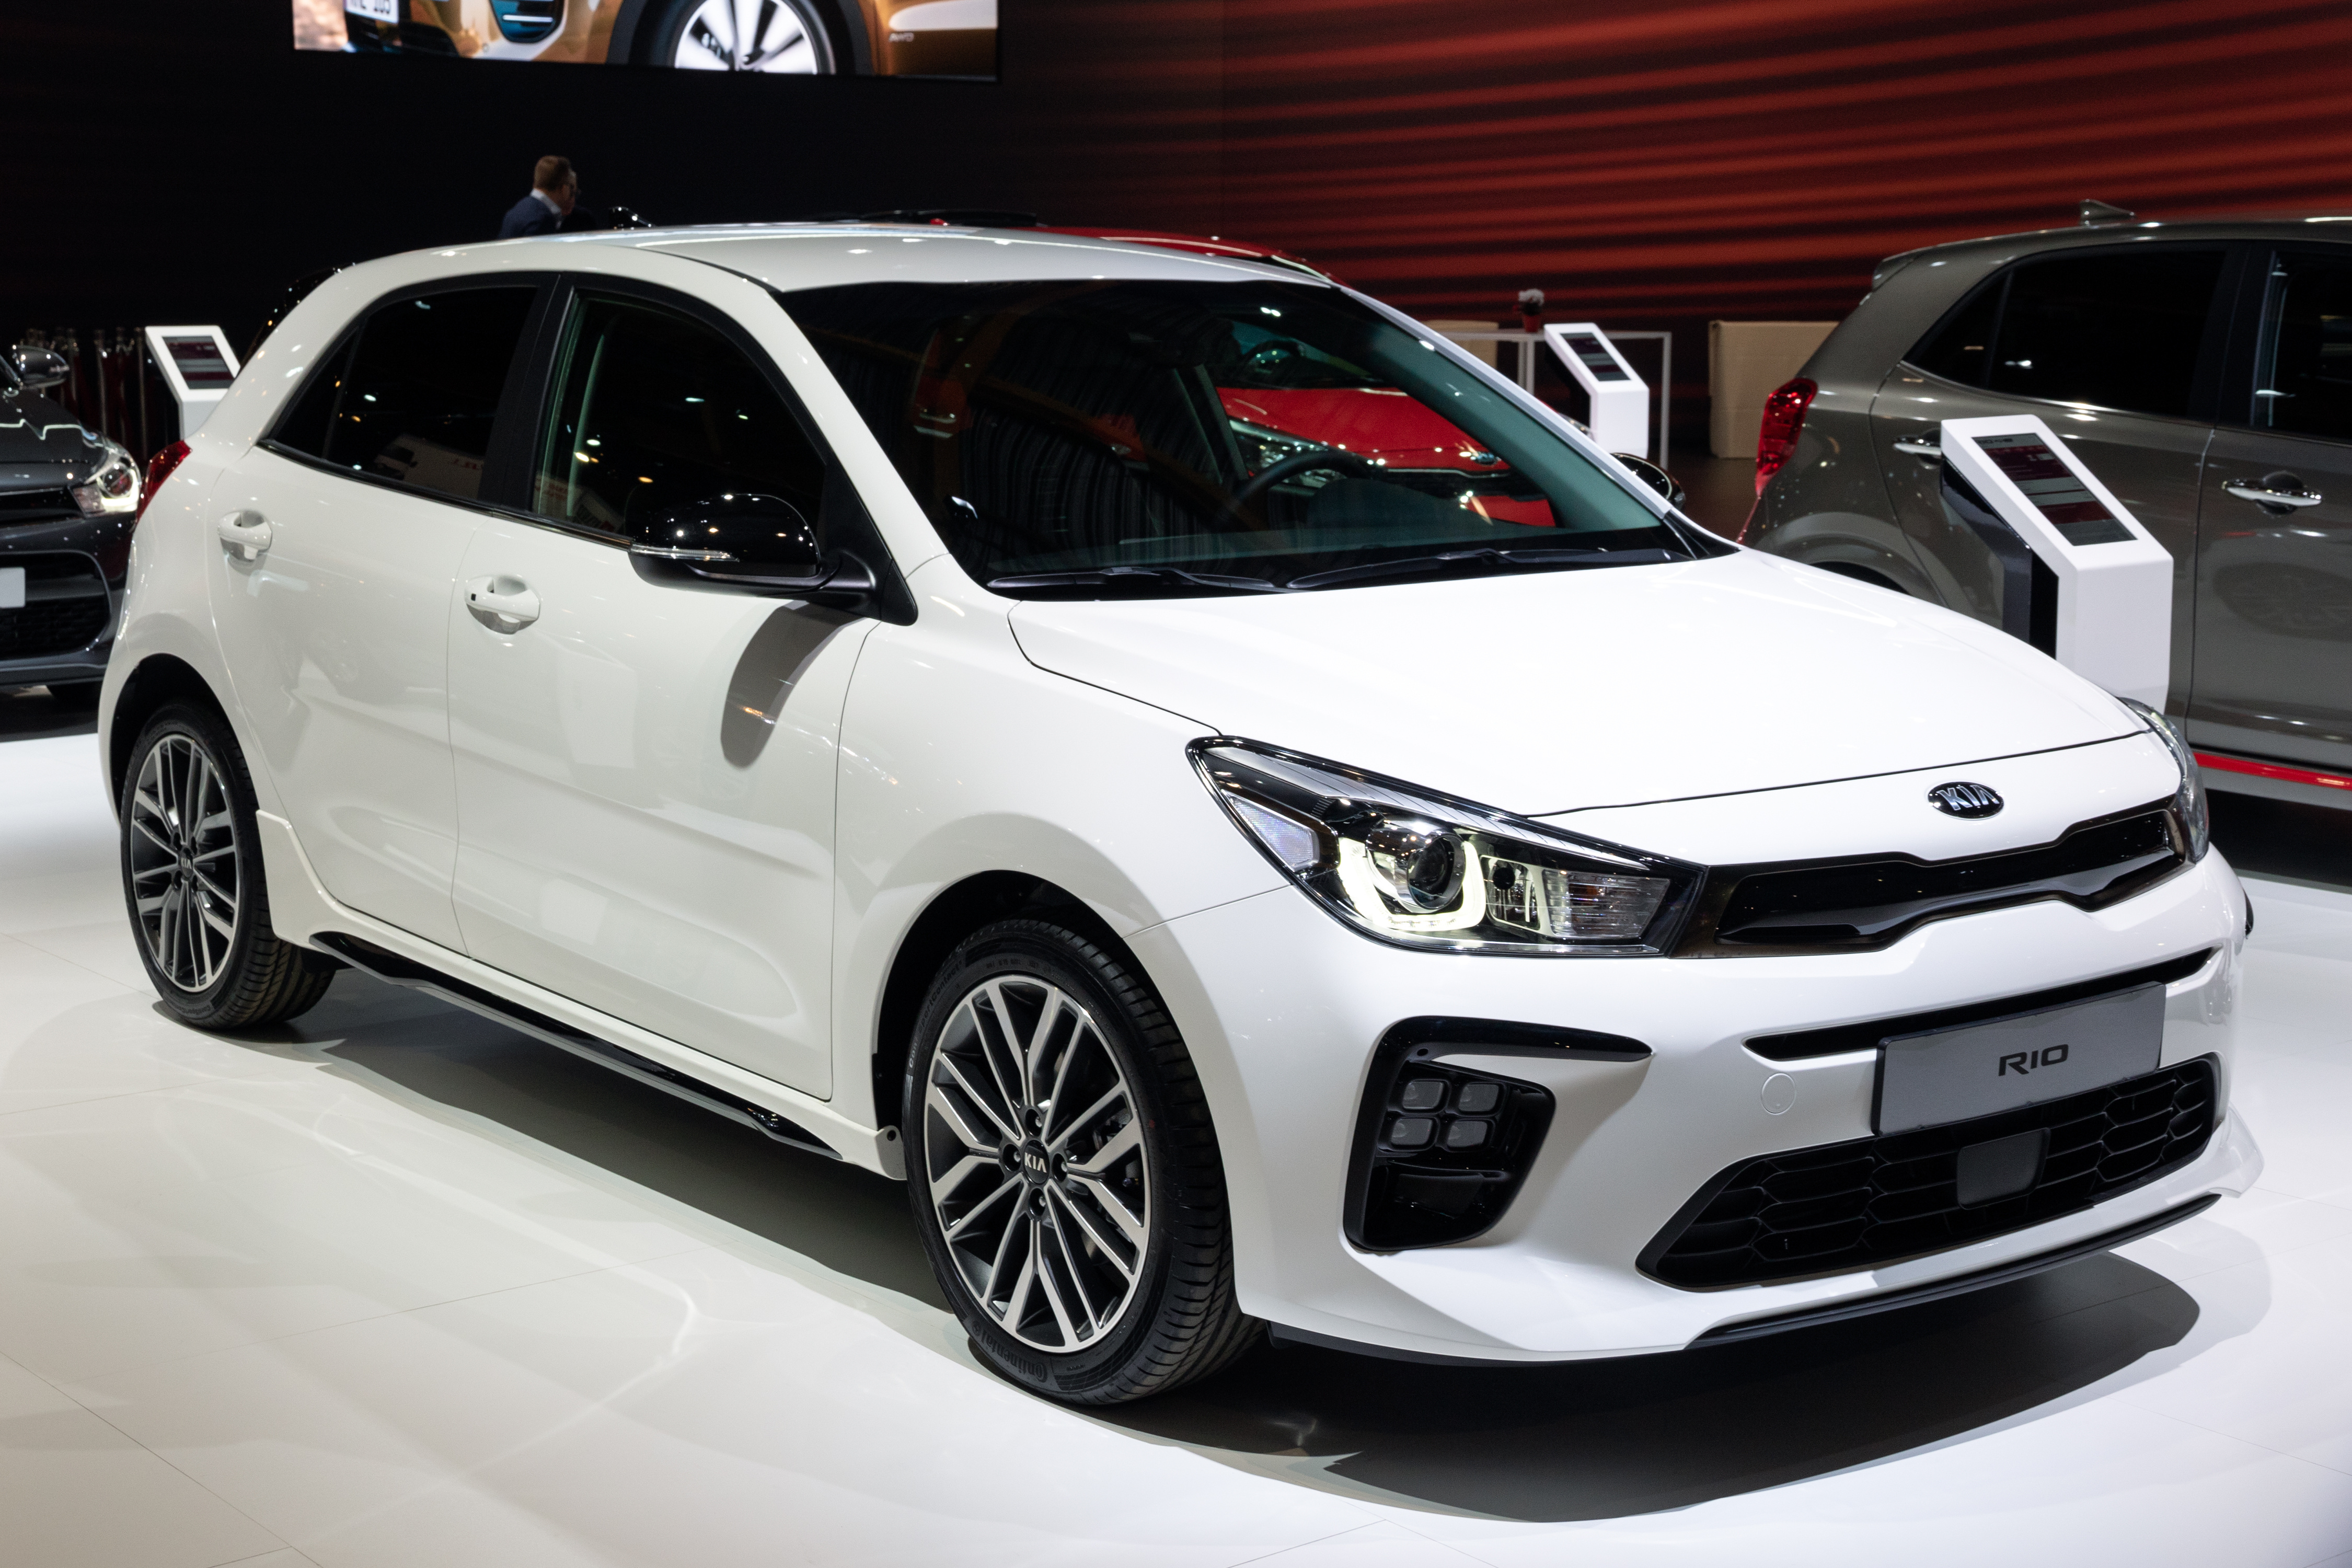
[42,447]
[1565,691]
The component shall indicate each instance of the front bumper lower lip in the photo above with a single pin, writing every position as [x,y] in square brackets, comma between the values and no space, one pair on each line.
[1960,1285]
[1809,1317]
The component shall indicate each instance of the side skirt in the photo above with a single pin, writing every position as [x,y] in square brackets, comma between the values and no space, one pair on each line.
[394,970]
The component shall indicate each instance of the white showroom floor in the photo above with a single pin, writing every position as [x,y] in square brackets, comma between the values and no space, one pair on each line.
[397,1287]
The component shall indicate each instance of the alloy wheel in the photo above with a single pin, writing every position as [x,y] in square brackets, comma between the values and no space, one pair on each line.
[771,36]
[1034,1158]
[183,863]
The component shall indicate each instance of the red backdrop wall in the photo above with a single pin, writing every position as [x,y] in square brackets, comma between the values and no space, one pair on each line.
[1744,157]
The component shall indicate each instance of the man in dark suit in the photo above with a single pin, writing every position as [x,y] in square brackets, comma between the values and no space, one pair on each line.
[554,190]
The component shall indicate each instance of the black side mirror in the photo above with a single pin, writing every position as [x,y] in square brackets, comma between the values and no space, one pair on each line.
[1650,474]
[747,544]
[38,368]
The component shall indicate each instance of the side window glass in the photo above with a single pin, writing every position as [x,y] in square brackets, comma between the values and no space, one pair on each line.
[413,398]
[2304,384]
[1956,350]
[2115,331]
[654,410]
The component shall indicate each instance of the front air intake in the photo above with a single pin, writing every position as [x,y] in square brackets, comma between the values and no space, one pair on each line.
[1441,1148]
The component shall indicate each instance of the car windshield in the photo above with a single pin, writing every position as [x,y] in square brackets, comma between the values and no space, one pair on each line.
[1084,437]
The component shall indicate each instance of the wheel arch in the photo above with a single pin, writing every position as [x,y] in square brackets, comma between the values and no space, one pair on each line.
[954,913]
[157,679]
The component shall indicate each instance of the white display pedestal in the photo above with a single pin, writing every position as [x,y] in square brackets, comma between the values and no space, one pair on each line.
[198,367]
[2081,579]
[1619,399]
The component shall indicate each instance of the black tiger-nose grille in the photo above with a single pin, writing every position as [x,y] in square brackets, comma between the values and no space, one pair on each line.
[1842,1206]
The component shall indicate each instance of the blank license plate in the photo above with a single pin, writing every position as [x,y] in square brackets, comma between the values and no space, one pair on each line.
[1950,1075]
[12,587]
[374,10]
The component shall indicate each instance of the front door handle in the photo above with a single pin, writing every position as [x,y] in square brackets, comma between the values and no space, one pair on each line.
[247,533]
[1920,446]
[2262,494]
[502,604]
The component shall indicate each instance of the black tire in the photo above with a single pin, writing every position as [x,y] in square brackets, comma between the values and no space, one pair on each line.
[666,21]
[242,979]
[1179,1320]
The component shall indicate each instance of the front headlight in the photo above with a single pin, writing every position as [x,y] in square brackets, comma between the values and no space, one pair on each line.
[112,487]
[2188,804]
[1426,871]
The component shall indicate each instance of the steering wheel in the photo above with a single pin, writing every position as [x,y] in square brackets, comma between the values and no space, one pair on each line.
[1291,466]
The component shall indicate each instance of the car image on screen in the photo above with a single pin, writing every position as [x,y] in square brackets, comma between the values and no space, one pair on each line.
[781,38]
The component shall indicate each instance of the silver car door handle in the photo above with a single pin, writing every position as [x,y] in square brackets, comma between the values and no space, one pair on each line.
[1920,447]
[247,533]
[503,600]
[2246,490]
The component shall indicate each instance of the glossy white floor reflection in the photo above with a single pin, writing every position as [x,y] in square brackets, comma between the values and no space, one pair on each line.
[396,1287]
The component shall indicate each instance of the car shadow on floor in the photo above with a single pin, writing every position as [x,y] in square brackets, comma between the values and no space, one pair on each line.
[1596,1440]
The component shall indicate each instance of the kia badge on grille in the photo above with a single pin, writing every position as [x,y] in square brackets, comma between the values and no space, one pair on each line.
[1964,799]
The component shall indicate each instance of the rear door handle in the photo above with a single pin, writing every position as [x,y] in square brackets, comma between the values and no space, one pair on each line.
[247,533]
[2262,495]
[1920,446]
[502,604]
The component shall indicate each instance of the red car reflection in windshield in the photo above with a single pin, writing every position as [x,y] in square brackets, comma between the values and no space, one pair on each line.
[1385,424]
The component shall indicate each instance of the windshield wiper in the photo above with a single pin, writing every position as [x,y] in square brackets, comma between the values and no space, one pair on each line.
[1115,578]
[1461,562]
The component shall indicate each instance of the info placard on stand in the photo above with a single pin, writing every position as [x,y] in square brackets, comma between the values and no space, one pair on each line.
[2081,579]
[1620,400]
[197,365]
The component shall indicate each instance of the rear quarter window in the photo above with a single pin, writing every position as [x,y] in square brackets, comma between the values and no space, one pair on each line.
[2116,330]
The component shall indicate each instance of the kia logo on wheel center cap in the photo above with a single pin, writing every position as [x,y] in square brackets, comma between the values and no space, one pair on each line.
[1964,799]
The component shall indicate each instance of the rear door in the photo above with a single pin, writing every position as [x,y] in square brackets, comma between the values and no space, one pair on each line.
[2274,666]
[2118,350]
[339,538]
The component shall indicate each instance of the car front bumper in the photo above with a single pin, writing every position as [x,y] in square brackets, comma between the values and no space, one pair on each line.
[1282,1007]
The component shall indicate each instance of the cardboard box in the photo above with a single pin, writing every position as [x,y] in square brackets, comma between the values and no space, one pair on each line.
[1745,361]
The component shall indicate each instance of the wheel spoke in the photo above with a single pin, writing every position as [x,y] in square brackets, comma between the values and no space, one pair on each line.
[1038,1230]
[1108,1198]
[1114,1147]
[951,1116]
[1017,1304]
[157,839]
[1110,1096]
[1009,1048]
[985,1109]
[978,1209]
[954,1177]
[1103,1244]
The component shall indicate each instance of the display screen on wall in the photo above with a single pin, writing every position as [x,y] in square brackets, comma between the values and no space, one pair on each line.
[781,38]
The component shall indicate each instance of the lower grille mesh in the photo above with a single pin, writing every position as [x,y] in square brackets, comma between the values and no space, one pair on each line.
[1843,1206]
[52,626]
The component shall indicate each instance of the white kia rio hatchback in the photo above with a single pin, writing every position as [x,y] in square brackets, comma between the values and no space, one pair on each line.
[1258,823]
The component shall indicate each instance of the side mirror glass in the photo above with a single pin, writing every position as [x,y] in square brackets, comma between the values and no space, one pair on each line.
[747,544]
[39,369]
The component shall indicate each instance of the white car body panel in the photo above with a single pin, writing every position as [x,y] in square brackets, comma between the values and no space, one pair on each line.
[337,644]
[1510,692]
[646,780]
[1724,712]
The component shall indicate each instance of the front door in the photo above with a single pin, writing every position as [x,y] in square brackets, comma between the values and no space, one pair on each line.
[2274,577]
[645,772]
[339,541]
[2115,351]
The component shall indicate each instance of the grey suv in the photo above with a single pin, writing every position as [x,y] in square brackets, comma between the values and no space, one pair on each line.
[2202,370]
